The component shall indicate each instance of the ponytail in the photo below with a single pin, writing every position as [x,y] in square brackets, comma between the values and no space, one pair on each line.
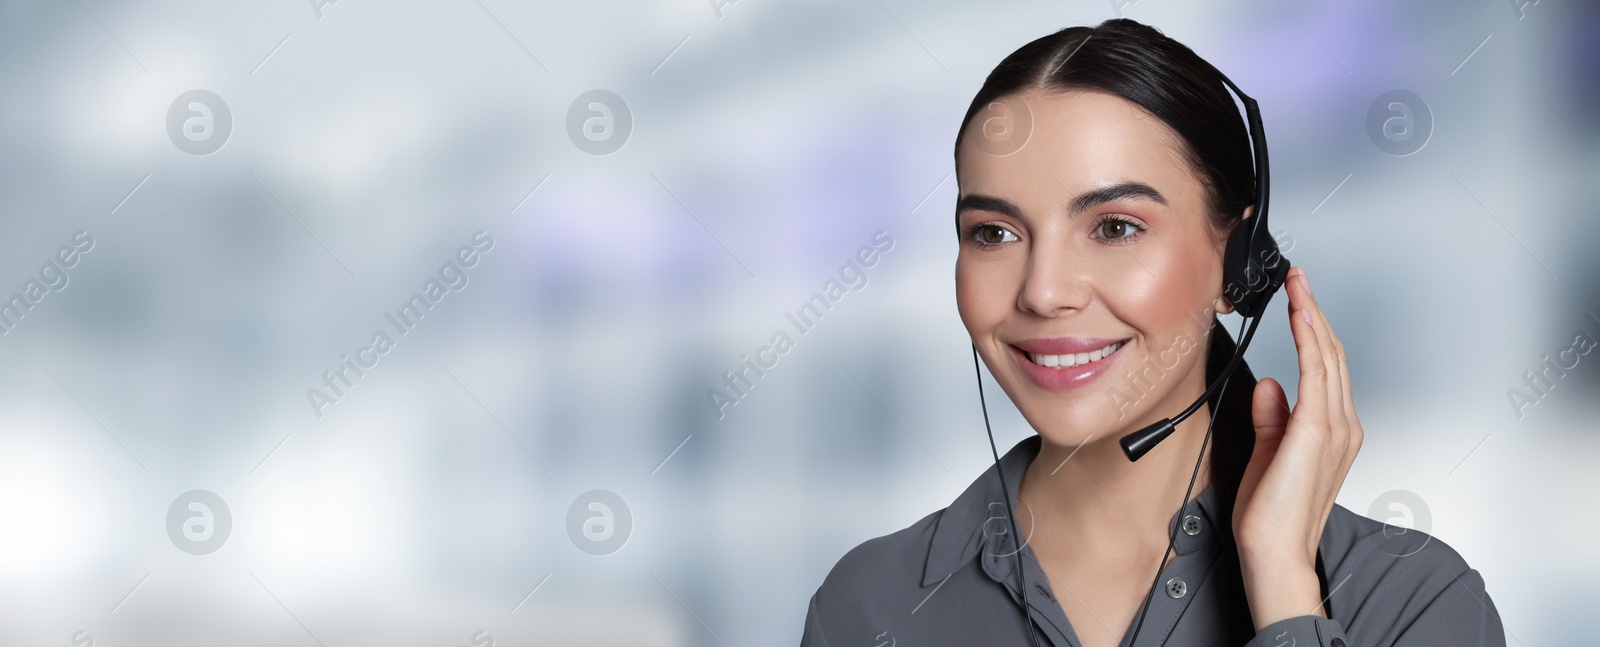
[1233,439]
[1233,434]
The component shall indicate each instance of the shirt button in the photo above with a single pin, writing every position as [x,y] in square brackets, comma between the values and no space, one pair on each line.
[1191,525]
[1338,643]
[1176,587]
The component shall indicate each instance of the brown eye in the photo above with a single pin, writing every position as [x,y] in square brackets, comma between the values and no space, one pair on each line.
[989,235]
[1116,229]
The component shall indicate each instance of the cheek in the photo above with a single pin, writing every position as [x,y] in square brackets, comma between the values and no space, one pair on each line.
[983,295]
[1165,290]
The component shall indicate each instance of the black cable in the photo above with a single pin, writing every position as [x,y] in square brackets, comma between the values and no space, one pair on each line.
[1011,511]
[1172,534]
[1238,356]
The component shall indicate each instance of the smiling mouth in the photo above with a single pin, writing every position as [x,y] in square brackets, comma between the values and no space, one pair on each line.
[1072,360]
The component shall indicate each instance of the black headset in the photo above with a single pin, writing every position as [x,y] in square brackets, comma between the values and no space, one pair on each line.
[1252,271]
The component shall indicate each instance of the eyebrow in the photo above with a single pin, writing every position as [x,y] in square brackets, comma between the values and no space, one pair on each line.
[1084,201]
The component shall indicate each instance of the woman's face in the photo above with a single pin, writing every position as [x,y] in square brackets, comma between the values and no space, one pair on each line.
[1088,272]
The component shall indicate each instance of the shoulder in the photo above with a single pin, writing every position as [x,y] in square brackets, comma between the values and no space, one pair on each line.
[1386,580]
[872,580]
[1351,538]
[893,560]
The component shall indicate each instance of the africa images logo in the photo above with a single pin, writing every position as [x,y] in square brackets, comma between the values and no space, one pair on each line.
[451,277]
[852,278]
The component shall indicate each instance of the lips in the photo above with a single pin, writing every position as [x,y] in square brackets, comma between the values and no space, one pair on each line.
[1066,362]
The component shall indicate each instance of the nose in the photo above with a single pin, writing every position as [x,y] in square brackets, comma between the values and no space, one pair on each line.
[1057,280]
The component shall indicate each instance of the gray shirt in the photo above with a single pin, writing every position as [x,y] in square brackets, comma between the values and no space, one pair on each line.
[949,580]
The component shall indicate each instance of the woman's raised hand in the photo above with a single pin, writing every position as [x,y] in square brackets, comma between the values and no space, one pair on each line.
[1300,461]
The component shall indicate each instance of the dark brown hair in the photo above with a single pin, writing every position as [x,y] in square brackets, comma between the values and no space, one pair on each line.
[1136,62]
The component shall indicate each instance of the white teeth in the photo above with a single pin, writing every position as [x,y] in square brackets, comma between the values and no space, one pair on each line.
[1073,359]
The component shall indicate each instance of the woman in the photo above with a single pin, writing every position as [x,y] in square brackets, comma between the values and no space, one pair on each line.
[1098,182]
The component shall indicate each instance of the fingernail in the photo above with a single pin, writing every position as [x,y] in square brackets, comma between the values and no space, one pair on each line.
[1305,315]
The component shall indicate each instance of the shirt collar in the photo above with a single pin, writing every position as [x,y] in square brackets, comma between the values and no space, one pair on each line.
[976,522]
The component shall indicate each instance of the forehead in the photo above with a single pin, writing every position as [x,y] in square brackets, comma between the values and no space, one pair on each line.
[1079,140]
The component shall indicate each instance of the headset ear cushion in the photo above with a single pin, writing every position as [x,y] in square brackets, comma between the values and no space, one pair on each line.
[1249,283]
[1235,260]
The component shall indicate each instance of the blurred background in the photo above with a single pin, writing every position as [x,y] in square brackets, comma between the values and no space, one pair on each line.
[208,206]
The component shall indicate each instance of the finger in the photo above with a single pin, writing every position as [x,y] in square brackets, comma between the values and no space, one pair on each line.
[1330,355]
[1270,413]
[1324,427]
[1356,433]
[1269,409]
[1338,382]
[1348,395]
[1312,399]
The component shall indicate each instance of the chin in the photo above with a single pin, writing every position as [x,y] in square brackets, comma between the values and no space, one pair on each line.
[1073,425]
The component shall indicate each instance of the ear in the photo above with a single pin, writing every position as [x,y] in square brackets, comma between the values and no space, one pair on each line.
[1226,305]
[1248,211]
